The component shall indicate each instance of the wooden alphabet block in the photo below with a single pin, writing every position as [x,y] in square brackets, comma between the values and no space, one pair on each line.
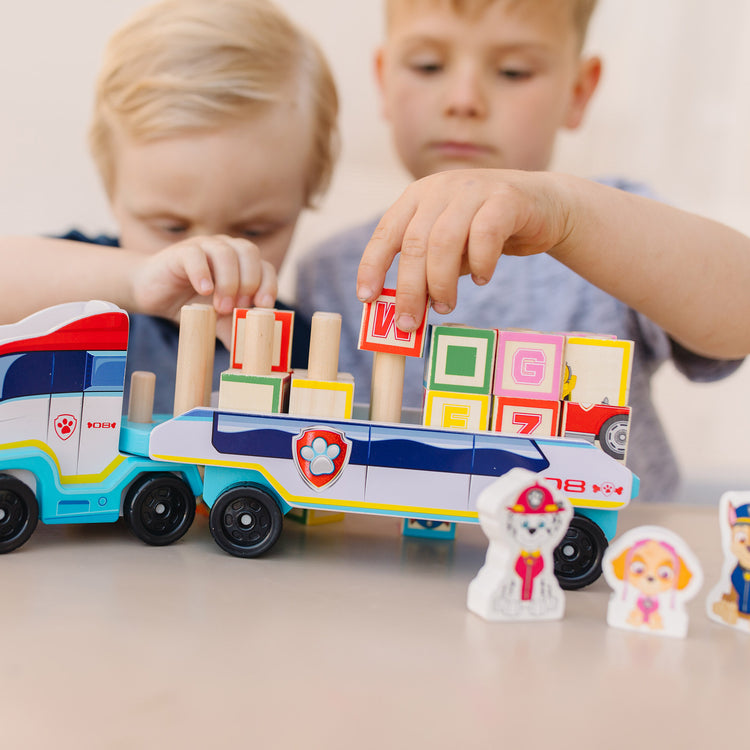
[322,398]
[526,416]
[267,394]
[598,370]
[282,339]
[529,365]
[460,359]
[379,333]
[606,426]
[457,411]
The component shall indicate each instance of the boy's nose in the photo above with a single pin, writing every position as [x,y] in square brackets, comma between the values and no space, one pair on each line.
[465,96]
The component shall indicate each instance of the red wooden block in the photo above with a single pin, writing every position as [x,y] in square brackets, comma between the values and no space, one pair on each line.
[379,333]
[282,345]
[526,416]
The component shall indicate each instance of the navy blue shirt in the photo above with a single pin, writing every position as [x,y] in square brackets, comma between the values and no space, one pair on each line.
[153,343]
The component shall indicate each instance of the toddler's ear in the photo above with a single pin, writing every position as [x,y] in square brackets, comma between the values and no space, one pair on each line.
[379,67]
[589,73]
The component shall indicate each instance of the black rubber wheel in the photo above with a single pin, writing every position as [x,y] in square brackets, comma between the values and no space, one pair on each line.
[159,508]
[578,558]
[613,437]
[245,521]
[19,513]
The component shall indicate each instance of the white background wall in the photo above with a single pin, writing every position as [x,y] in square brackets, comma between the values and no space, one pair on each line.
[673,110]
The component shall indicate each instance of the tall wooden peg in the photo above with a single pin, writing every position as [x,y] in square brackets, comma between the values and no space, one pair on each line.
[258,342]
[195,348]
[325,338]
[391,345]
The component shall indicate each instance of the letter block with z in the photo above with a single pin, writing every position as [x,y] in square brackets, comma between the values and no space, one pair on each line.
[526,416]
[529,365]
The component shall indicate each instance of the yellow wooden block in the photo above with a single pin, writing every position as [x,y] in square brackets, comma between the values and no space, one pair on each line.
[322,398]
[598,370]
[457,411]
[267,394]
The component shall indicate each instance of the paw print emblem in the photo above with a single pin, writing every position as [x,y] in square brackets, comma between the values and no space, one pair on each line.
[65,425]
[320,455]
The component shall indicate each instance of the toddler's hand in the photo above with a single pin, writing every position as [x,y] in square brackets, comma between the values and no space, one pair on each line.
[458,222]
[229,269]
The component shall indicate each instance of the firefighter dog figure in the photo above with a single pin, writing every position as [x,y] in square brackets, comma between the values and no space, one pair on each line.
[729,601]
[524,521]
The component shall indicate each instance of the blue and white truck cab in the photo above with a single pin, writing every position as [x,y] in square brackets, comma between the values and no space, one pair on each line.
[62,374]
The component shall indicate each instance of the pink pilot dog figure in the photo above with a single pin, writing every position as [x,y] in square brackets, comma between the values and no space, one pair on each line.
[729,601]
[524,521]
[653,573]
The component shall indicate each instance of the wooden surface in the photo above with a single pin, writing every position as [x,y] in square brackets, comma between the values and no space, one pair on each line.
[346,636]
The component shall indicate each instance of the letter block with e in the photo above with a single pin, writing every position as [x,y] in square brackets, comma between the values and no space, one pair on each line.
[456,411]
[526,416]
[529,365]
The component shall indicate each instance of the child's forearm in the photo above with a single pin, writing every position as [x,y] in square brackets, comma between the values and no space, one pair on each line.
[39,272]
[687,273]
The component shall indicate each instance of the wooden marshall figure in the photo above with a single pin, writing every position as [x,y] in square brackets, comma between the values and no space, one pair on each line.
[729,601]
[524,520]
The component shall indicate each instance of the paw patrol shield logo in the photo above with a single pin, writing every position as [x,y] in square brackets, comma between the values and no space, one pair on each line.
[65,425]
[320,455]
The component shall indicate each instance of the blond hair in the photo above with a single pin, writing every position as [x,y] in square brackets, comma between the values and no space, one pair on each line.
[183,66]
[581,9]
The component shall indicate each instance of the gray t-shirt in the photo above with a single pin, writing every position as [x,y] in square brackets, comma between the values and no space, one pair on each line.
[535,292]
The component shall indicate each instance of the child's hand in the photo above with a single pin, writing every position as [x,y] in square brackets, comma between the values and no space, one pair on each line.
[229,269]
[458,222]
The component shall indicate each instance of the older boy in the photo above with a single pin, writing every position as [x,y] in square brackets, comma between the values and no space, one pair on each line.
[214,126]
[488,83]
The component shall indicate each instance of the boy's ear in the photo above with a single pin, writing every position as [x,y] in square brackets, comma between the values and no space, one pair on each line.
[589,73]
[379,64]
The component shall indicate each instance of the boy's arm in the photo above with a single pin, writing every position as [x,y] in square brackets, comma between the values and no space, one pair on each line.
[39,272]
[688,274]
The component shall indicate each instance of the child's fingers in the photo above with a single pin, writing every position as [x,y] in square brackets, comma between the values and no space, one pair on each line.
[383,247]
[256,278]
[491,226]
[196,267]
[414,266]
[447,247]
[265,296]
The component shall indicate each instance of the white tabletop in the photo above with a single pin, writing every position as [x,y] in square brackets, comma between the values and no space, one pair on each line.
[345,636]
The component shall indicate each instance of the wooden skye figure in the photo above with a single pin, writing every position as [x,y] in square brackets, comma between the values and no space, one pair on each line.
[652,573]
[524,521]
[729,600]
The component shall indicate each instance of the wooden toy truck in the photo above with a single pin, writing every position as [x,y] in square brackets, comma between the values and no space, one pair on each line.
[67,456]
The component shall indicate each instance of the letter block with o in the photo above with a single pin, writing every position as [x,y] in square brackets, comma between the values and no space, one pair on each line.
[460,359]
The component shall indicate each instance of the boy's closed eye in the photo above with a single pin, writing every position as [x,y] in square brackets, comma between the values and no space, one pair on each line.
[515,73]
